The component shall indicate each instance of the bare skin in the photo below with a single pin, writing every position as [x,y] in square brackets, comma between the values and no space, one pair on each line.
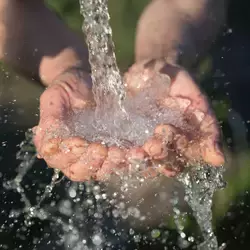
[180,31]
[170,148]
[52,60]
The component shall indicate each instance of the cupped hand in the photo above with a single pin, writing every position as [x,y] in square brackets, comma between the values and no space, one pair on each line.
[54,137]
[172,148]
[167,151]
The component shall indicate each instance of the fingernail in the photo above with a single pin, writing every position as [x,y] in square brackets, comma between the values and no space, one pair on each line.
[183,103]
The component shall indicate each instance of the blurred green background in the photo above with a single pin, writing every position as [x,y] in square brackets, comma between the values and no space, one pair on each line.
[19,108]
[124,15]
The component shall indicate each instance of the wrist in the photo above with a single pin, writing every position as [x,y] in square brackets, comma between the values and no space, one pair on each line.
[51,68]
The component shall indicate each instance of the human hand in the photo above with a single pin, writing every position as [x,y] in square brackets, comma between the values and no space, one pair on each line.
[55,138]
[166,152]
[171,148]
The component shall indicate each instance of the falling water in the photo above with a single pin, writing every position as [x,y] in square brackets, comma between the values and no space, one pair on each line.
[108,87]
[200,184]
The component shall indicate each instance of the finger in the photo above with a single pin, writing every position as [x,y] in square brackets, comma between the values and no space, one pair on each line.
[34,129]
[193,152]
[153,81]
[137,160]
[77,171]
[141,75]
[50,152]
[114,162]
[156,148]
[95,155]
[189,96]
[187,148]
[167,169]
[191,116]
[39,156]
[116,155]
[104,173]
[166,132]
[51,147]
[136,154]
[76,146]
[88,164]
[206,151]
[71,149]
[136,81]
[209,126]
[64,152]
[184,86]
[54,102]
[46,129]
[212,152]
[177,103]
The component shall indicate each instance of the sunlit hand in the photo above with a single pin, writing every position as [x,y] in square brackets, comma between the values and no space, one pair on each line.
[167,152]
[54,138]
[171,148]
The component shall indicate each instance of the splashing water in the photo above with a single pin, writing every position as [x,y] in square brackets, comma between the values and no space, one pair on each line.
[200,183]
[144,116]
[110,122]
[83,216]
[27,157]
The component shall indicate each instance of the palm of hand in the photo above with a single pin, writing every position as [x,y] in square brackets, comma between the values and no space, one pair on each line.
[167,151]
[196,138]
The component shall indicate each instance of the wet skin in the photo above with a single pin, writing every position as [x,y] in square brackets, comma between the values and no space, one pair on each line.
[167,152]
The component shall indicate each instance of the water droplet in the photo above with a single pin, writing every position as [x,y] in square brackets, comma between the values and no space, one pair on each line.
[97,239]
[72,192]
[191,239]
[155,233]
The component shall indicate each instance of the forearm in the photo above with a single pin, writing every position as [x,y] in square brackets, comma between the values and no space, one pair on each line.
[178,30]
[36,42]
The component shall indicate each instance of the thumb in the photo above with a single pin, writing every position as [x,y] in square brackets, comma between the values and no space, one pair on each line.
[212,153]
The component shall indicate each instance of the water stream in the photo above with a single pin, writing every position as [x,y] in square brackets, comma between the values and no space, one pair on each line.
[108,87]
[200,184]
